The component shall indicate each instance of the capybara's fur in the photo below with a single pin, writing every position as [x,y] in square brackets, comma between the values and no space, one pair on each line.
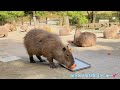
[91,25]
[11,27]
[3,31]
[39,42]
[43,27]
[65,30]
[111,32]
[76,37]
[24,27]
[84,39]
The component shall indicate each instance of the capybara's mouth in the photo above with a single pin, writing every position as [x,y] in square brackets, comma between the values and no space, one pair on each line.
[73,66]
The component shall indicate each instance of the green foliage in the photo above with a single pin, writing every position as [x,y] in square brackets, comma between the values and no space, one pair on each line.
[8,16]
[39,13]
[108,16]
[77,17]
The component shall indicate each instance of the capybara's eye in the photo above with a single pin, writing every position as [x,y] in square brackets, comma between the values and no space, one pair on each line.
[67,54]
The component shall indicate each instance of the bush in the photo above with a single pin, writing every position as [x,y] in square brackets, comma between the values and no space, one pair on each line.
[77,17]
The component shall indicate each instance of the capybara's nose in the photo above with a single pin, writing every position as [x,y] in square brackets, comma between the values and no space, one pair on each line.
[73,66]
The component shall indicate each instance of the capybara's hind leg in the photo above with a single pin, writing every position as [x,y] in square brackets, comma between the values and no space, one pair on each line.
[52,64]
[41,60]
[31,58]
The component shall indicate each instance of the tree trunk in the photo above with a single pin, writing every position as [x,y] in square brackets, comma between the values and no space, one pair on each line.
[93,16]
[22,21]
[30,20]
[66,20]
[119,15]
[46,20]
[34,18]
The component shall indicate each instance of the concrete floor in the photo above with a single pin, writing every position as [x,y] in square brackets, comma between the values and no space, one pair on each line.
[103,66]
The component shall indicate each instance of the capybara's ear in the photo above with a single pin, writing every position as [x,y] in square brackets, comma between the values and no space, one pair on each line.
[64,49]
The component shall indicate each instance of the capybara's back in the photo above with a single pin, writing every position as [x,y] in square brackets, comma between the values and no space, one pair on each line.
[44,27]
[84,39]
[42,43]
[111,32]
[11,27]
[64,30]
[87,39]
[76,37]
[4,31]
[24,28]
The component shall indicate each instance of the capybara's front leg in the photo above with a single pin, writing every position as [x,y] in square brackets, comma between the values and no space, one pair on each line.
[41,60]
[31,59]
[52,64]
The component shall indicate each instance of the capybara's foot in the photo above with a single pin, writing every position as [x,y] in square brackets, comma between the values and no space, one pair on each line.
[52,65]
[42,60]
[32,61]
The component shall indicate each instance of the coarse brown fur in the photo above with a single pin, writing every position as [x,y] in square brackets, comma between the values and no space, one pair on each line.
[43,27]
[84,39]
[65,30]
[11,27]
[3,31]
[76,37]
[24,27]
[111,32]
[39,42]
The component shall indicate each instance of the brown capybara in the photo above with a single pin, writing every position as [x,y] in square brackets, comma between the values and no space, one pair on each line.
[44,27]
[3,31]
[84,39]
[43,43]
[111,32]
[76,37]
[24,28]
[65,30]
[11,27]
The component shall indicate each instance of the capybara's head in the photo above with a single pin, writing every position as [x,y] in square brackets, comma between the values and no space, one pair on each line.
[68,57]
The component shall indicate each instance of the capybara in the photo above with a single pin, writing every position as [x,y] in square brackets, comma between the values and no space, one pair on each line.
[43,27]
[11,27]
[111,32]
[3,31]
[84,39]
[76,37]
[24,28]
[42,43]
[65,30]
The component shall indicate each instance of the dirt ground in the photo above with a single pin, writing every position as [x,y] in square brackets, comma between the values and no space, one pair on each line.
[104,58]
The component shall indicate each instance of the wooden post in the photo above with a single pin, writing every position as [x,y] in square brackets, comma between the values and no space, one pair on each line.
[34,19]
[22,21]
[30,20]
[66,21]
[60,21]
[46,20]
[39,19]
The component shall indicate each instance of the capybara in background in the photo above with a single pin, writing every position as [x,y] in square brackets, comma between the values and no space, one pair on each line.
[43,27]
[84,39]
[11,27]
[3,31]
[111,32]
[65,30]
[76,37]
[24,28]
[40,42]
